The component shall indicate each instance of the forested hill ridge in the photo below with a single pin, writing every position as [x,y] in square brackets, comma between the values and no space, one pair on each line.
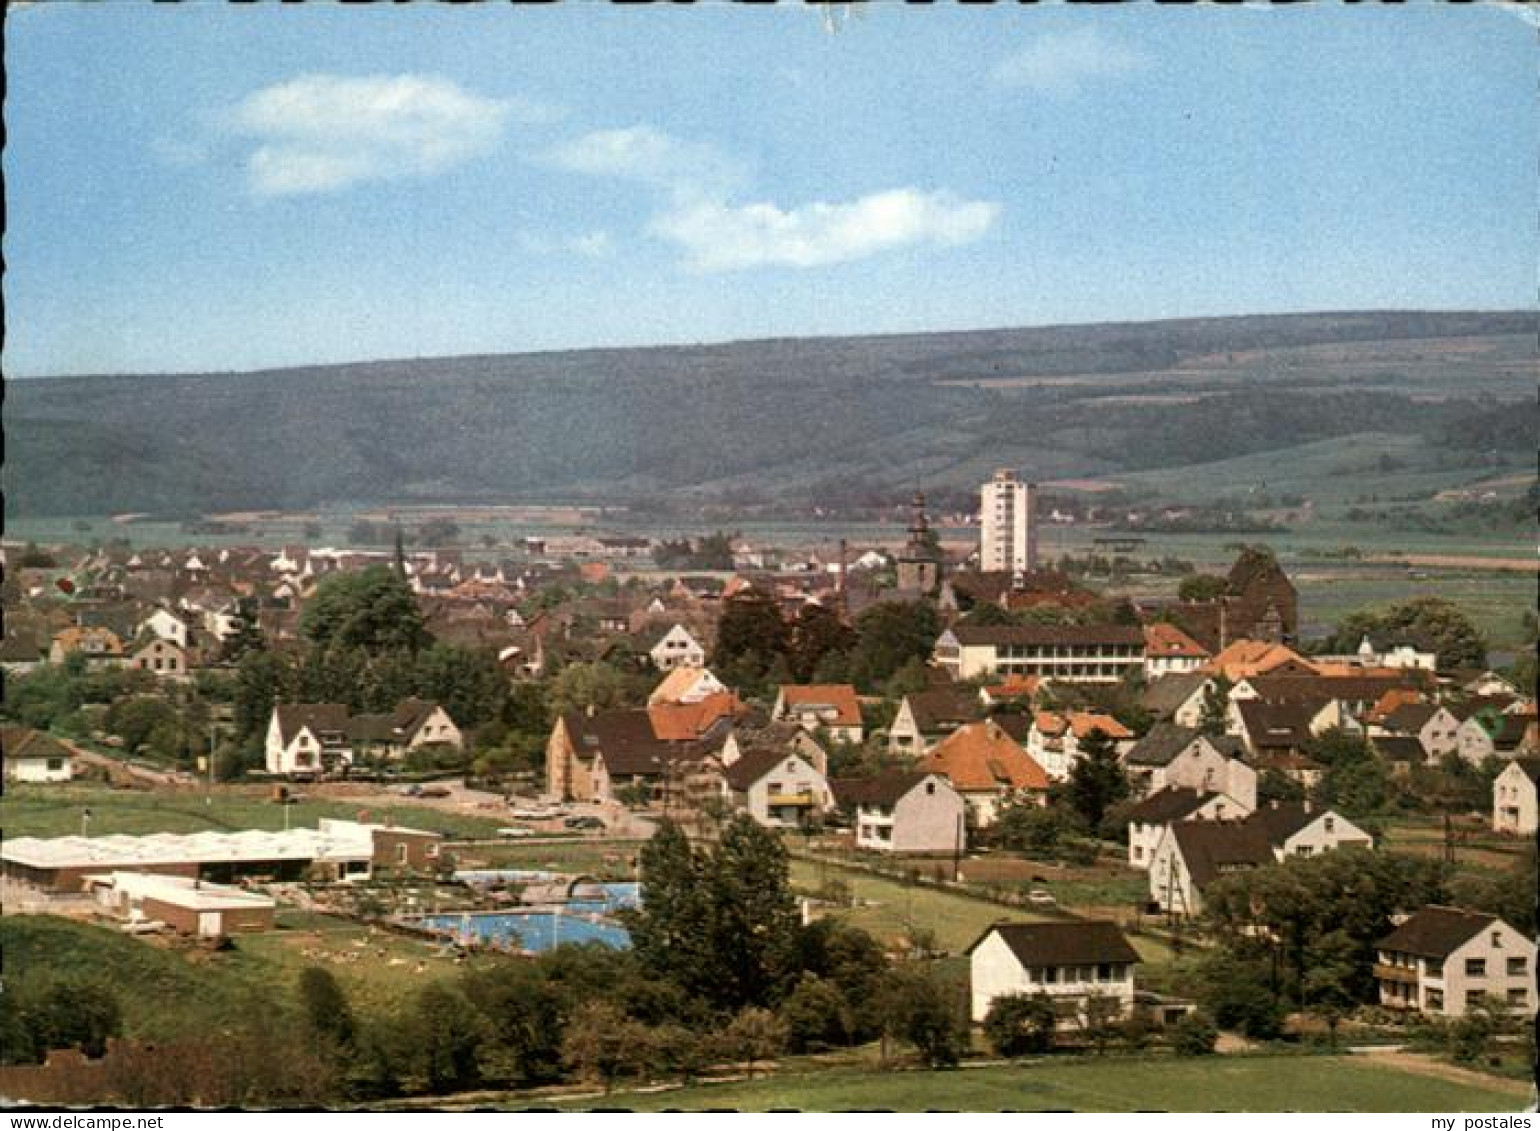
[786,419]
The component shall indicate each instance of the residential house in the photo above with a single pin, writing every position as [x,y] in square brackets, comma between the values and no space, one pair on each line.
[925,718]
[101,647]
[1094,653]
[412,725]
[831,707]
[1179,699]
[1434,726]
[1012,689]
[676,648]
[988,769]
[905,812]
[1170,651]
[1149,819]
[1483,682]
[1174,756]
[1243,659]
[1191,855]
[1443,960]
[1276,735]
[32,756]
[1514,808]
[1301,829]
[308,738]
[1057,739]
[1489,733]
[165,658]
[1071,963]
[167,626]
[686,685]
[778,789]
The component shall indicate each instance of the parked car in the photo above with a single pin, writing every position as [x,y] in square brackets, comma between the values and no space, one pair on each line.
[512,832]
[433,791]
[576,823]
[1039,896]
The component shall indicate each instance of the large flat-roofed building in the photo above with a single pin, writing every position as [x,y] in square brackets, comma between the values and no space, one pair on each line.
[343,850]
[1069,653]
[187,906]
[1008,526]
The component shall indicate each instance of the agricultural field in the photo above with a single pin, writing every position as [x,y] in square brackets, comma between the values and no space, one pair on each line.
[61,810]
[1230,1083]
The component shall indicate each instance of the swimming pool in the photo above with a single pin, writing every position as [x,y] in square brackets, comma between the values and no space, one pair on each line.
[535,931]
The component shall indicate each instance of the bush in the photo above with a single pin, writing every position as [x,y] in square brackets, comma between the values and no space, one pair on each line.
[1018,1024]
[1194,1035]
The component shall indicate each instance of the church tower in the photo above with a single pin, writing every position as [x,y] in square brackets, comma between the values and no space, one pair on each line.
[919,566]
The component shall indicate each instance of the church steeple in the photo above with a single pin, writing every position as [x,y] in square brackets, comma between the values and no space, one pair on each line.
[919,566]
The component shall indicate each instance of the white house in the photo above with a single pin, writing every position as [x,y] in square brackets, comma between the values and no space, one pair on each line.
[1191,855]
[1070,963]
[1514,808]
[307,738]
[898,812]
[779,789]
[677,648]
[1057,738]
[32,756]
[1148,820]
[1183,757]
[167,626]
[686,685]
[165,658]
[1443,960]
[1170,651]
[1068,653]
[831,707]
[1301,829]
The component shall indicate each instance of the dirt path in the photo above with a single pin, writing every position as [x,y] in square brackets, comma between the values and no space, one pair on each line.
[1422,1064]
[1459,561]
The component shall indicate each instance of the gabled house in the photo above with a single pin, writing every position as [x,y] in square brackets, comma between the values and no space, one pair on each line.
[1178,698]
[904,812]
[1170,651]
[1514,806]
[101,647]
[32,756]
[831,707]
[1276,735]
[1301,829]
[1057,739]
[1071,963]
[1174,756]
[1443,960]
[778,789]
[308,738]
[1488,733]
[658,750]
[1244,659]
[1148,820]
[988,769]
[676,648]
[166,625]
[413,724]
[163,657]
[686,685]
[1191,855]
[925,718]
[1434,726]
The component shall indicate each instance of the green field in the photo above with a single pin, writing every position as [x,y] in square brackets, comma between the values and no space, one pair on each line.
[57,810]
[1242,1083]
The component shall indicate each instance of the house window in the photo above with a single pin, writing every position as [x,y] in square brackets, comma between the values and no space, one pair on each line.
[1331,824]
[57,764]
[400,854]
[1473,996]
[1497,940]
[433,851]
[1050,975]
[1104,972]
[1476,967]
[1517,967]
[1518,995]
[1435,999]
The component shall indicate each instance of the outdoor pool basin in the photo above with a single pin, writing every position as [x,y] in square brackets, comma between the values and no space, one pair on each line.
[534,931]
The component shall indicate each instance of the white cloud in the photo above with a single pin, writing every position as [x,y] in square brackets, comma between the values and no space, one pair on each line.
[651,157]
[318,133]
[1062,63]
[720,237]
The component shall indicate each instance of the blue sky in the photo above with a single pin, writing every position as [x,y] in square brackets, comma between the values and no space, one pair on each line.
[228,188]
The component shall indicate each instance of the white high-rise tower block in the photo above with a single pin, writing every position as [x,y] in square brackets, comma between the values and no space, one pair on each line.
[1008,538]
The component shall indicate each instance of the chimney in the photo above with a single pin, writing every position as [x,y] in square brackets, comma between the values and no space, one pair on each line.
[1031,527]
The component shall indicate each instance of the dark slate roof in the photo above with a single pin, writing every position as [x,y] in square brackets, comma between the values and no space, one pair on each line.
[1282,820]
[941,707]
[1435,932]
[1169,692]
[1276,725]
[328,718]
[884,789]
[752,766]
[1400,748]
[1051,634]
[1163,743]
[24,742]
[1349,688]
[1082,943]
[1213,848]
[1013,724]
[1170,804]
[1410,718]
[624,737]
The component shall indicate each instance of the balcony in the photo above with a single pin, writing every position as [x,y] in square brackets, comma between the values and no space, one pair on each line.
[802,800]
[1406,975]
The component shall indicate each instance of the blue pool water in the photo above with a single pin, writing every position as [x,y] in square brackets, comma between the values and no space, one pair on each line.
[536,931]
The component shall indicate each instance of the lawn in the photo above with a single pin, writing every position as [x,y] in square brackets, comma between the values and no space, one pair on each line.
[56,810]
[1242,1083]
[610,860]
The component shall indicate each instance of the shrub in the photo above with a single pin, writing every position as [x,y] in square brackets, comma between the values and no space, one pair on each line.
[1018,1024]
[1194,1035]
